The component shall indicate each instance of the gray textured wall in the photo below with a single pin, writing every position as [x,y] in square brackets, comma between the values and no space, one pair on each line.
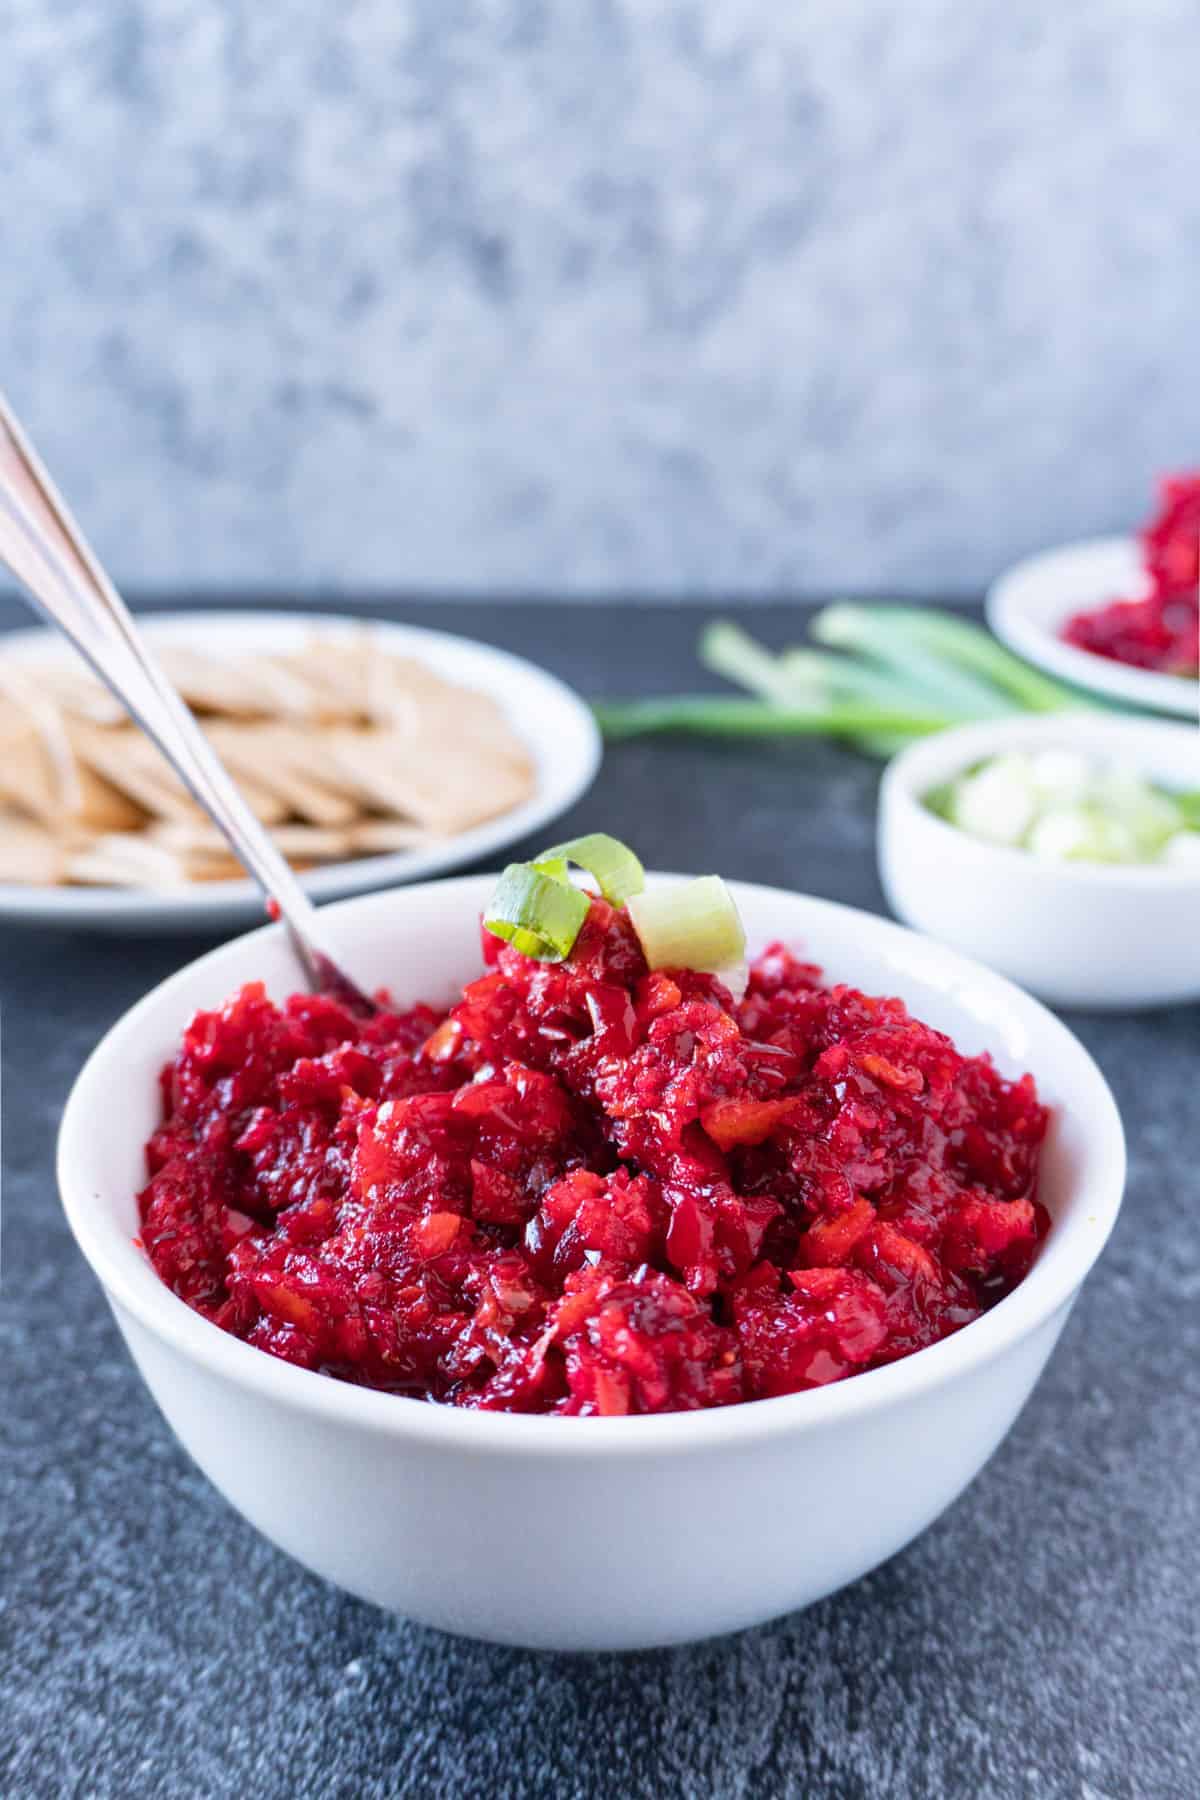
[599,294]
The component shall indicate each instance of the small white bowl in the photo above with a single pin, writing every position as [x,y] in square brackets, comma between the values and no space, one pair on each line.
[591,1534]
[1079,934]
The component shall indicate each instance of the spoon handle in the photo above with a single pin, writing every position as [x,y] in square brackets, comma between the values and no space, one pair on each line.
[44,548]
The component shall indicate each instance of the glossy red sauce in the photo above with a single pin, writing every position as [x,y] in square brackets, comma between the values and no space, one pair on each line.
[1161,630]
[591,1189]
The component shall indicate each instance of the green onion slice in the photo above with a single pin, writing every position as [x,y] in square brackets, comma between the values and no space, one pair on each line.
[609,862]
[536,913]
[696,926]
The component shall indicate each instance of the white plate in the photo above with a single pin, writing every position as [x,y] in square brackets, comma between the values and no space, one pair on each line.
[1029,605]
[553,721]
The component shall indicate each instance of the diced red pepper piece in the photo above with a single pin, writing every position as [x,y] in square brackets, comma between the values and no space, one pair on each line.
[730,1122]
[834,1240]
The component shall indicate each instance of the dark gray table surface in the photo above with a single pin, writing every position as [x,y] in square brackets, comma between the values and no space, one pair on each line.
[1041,1639]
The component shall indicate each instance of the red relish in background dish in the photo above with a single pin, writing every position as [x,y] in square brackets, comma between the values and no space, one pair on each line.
[1160,630]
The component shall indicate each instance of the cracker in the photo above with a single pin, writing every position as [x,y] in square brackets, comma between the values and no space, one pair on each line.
[131,764]
[29,854]
[341,747]
[446,791]
[315,843]
[125,859]
[278,757]
[377,837]
[77,691]
[40,746]
[240,687]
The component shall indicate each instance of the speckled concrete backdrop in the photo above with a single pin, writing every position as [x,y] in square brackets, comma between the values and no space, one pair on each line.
[674,295]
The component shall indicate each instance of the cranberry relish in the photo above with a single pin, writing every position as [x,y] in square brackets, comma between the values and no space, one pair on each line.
[589,1188]
[1162,629]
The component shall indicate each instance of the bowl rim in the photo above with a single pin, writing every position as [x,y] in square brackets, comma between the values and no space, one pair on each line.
[134,1287]
[930,760]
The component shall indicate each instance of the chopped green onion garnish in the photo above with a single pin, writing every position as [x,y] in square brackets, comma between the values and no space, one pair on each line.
[609,862]
[536,913]
[692,927]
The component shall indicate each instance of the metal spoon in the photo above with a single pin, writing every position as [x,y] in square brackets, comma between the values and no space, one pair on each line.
[44,548]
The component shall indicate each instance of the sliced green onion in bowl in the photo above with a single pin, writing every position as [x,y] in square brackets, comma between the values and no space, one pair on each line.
[1063,806]
[696,926]
[610,863]
[536,913]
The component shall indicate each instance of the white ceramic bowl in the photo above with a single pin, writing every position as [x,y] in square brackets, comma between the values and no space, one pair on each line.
[1078,934]
[587,1534]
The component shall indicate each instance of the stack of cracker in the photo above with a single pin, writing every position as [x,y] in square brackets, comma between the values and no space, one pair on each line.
[342,748]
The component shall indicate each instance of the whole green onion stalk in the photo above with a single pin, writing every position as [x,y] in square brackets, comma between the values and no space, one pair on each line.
[881,676]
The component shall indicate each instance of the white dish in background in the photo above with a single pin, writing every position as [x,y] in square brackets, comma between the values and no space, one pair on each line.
[1079,934]
[591,1534]
[1028,606]
[554,722]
